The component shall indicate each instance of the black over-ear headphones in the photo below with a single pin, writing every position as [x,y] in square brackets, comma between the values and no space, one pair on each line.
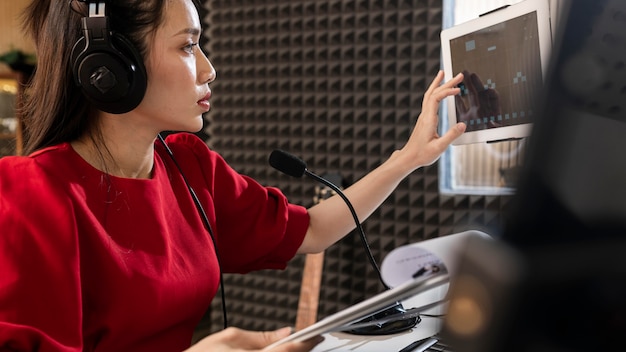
[106,66]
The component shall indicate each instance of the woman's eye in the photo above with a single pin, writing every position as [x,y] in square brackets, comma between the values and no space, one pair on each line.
[189,48]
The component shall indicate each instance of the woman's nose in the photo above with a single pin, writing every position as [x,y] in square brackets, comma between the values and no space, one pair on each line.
[206,71]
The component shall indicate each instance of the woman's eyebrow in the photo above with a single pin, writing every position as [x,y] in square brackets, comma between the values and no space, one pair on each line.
[190,30]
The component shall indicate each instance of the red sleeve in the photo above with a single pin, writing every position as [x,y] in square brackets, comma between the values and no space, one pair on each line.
[39,270]
[256,227]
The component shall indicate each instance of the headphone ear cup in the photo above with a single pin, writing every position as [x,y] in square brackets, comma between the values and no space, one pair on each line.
[112,77]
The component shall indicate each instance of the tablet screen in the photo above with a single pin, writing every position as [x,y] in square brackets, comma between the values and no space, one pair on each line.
[503,57]
[503,71]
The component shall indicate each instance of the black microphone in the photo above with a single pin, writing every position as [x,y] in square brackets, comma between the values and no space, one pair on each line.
[296,167]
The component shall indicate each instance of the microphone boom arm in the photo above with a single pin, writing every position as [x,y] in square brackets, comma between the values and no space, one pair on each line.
[295,167]
[356,221]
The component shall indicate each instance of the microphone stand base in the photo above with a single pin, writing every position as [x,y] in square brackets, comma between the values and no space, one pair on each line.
[392,327]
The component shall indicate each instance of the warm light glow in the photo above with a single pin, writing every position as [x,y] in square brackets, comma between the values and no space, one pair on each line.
[8,86]
[465,316]
[468,311]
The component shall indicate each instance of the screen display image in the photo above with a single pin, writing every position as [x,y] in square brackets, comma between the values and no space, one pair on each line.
[502,69]
[504,56]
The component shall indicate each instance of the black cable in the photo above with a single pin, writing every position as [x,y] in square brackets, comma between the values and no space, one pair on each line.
[359,227]
[296,167]
[207,225]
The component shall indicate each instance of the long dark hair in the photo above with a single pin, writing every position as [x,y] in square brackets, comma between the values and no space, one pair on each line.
[54,109]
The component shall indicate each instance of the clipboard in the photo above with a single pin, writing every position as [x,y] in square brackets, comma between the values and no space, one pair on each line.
[342,319]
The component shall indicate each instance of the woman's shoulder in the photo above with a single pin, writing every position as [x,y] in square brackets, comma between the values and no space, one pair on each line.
[36,169]
[24,185]
[185,140]
[37,159]
[187,145]
[18,167]
[34,204]
[191,154]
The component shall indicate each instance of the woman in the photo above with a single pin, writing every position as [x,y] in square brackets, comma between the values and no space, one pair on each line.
[102,246]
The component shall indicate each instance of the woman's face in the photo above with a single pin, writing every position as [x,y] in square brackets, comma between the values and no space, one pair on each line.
[178,71]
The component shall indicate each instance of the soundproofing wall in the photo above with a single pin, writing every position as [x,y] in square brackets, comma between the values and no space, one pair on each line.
[338,83]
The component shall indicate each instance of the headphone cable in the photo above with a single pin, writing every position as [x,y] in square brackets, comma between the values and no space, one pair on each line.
[205,220]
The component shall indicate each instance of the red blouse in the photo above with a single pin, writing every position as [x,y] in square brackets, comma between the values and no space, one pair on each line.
[96,262]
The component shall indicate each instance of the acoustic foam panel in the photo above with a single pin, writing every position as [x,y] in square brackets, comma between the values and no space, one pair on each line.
[339,84]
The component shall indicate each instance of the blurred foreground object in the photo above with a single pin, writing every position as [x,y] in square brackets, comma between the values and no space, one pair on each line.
[555,280]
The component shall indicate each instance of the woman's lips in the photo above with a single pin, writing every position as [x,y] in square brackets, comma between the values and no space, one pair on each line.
[204,102]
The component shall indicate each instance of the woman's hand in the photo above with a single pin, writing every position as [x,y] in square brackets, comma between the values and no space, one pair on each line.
[234,339]
[425,145]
